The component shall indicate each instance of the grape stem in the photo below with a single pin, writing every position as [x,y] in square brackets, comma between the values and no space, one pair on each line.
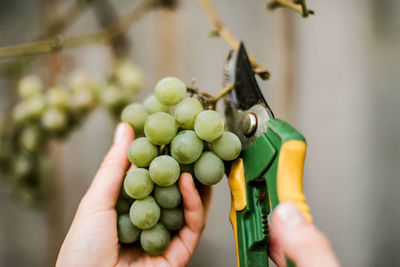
[105,35]
[223,92]
[298,5]
[209,100]
[221,31]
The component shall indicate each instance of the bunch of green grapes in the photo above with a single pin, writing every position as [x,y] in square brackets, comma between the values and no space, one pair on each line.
[41,115]
[176,135]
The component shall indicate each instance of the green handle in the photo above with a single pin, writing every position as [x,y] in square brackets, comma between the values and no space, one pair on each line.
[261,161]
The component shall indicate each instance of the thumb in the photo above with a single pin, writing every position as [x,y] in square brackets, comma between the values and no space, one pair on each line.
[104,190]
[299,239]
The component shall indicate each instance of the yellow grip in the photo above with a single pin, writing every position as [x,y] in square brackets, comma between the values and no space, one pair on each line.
[238,197]
[237,185]
[290,175]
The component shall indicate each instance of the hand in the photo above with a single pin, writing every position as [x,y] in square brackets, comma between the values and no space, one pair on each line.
[92,239]
[294,236]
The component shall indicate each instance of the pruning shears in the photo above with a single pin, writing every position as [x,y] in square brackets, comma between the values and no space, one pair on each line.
[269,169]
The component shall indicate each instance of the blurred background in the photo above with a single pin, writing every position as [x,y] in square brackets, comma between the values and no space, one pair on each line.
[335,77]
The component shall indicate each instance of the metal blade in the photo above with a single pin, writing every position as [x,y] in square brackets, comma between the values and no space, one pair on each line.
[246,91]
[246,110]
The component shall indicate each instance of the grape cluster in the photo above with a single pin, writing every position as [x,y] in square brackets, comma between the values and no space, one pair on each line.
[176,135]
[41,115]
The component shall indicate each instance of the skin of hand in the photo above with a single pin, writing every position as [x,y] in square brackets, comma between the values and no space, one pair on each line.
[92,238]
[294,236]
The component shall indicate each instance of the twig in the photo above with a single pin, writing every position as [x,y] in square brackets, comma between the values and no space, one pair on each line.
[64,20]
[207,99]
[225,34]
[60,42]
[299,6]
[223,91]
[205,96]
[106,14]
[58,25]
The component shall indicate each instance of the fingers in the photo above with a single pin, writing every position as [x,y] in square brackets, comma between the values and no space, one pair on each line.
[299,239]
[192,205]
[104,190]
[275,251]
[183,245]
[205,192]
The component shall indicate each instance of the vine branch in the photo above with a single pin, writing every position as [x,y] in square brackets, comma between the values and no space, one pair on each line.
[298,6]
[65,19]
[59,24]
[106,14]
[227,36]
[103,36]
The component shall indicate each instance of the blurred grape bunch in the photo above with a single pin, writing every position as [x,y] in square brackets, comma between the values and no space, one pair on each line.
[42,115]
[125,82]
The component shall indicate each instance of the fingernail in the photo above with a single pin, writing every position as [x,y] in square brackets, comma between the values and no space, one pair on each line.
[119,133]
[289,214]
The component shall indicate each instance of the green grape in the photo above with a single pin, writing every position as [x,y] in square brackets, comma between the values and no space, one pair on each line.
[113,98]
[125,195]
[141,152]
[30,138]
[29,109]
[81,100]
[209,125]
[23,164]
[173,219]
[137,183]
[58,97]
[164,170]
[127,232]
[80,80]
[209,168]
[135,115]
[227,146]
[152,105]
[144,213]
[187,111]
[167,197]
[37,105]
[20,113]
[170,91]
[186,147]
[155,240]
[122,206]
[54,120]
[160,128]
[29,86]
[129,76]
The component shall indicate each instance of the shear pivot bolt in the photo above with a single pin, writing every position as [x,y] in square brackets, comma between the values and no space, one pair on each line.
[249,124]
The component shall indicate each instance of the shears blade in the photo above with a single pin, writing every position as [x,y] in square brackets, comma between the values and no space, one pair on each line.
[246,109]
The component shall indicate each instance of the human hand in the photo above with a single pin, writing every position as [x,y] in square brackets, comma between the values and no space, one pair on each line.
[294,236]
[92,239]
